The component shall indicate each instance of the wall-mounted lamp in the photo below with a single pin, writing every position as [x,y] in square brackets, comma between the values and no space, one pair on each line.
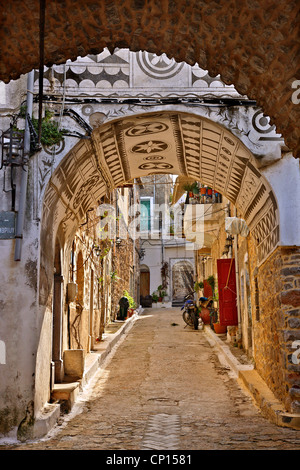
[142,253]
[228,244]
[12,148]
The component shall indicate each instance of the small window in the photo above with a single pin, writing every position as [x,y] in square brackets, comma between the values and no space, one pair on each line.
[145,215]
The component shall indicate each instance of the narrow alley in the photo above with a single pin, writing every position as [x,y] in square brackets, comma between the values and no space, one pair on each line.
[164,387]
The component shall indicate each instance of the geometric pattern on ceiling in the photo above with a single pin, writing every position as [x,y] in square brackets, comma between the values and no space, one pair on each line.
[169,142]
[192,146]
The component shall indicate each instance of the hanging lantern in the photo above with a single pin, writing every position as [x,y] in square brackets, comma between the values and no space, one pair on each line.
[12,148]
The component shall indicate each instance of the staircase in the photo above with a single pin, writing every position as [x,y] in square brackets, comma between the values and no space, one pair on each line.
[177,303]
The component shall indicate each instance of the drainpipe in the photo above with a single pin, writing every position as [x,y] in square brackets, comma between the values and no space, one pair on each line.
[237,283]
[24,176]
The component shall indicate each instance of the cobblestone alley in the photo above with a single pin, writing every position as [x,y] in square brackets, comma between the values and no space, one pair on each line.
[164,387]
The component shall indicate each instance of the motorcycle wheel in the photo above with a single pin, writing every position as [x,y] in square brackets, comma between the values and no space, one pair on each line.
[195,321]
[187,318]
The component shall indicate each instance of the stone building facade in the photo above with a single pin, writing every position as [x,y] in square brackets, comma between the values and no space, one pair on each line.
[268,308]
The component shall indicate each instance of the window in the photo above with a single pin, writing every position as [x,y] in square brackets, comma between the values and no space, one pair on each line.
[145,215]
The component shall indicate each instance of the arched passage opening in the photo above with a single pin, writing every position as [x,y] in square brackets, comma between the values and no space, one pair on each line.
[183,144]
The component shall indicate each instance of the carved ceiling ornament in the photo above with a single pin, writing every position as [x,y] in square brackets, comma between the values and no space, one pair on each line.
[178,143]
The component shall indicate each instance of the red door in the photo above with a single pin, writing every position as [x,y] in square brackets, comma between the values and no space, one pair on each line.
[227,292]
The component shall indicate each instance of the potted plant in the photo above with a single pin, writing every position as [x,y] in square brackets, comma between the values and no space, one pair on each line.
[160,289]
[198,286]
[216,325]
[155,297]
[163,294]
[132,304]
[190,187]
[195,188]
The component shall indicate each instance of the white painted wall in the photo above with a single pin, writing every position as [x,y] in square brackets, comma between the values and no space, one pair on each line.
[284,177]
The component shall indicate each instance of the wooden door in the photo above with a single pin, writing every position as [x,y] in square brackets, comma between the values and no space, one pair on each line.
[227,292]
[145,283]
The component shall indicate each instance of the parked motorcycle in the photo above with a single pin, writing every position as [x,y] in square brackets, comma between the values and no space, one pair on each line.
[190,312]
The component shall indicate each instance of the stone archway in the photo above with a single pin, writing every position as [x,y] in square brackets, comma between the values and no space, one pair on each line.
[184,144]
[253,45]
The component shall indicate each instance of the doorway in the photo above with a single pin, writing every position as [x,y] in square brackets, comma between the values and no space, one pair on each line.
[57,310]
[145,281]
[182,280]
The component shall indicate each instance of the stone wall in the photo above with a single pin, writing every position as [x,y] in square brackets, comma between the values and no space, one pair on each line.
[270,332]
[276,326]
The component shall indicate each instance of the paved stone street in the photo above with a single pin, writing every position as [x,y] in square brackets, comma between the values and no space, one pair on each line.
[165,388]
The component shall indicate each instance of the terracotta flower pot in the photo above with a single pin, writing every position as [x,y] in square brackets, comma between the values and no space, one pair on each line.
[219,329]
[130,312]
[205,316]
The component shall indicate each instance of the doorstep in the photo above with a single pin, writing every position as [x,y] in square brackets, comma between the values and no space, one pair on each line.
[271,408]
[66,394]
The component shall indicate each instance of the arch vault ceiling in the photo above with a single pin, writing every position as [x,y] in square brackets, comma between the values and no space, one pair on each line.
[165,142]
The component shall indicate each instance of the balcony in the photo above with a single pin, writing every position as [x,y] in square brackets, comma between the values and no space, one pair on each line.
[204,210]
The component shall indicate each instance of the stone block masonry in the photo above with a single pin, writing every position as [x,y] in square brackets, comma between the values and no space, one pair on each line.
[277,334]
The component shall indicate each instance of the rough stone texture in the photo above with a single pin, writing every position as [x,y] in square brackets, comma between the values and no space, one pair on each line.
[254,45]
[278,325]
[275,325]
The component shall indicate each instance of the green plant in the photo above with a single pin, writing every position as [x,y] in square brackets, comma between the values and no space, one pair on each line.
[198,286]
[131,301]
[188,187]
[211,282]
[50,132]
[195,188]
[154,297]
